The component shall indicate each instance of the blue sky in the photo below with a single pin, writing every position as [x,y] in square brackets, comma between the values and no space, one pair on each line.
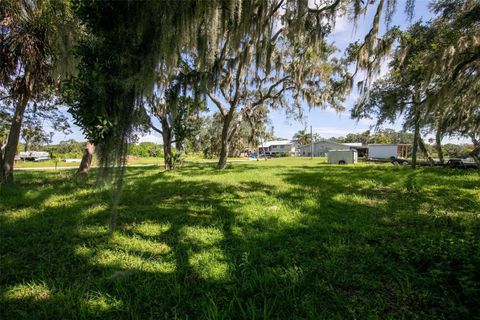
[328,123]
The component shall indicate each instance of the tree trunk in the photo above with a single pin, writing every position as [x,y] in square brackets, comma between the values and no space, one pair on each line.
[474,140]
[167,145]
[222,162]
[1,161]
[422,146]
[475,154]
[27,145]
[86,162]
[167,154]
[226,136]
[13,139]
[416,137]
[438,144]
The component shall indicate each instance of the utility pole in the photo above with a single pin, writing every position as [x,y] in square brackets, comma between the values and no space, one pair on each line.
[311,143]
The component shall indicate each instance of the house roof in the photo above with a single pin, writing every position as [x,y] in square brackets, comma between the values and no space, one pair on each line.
[382,144]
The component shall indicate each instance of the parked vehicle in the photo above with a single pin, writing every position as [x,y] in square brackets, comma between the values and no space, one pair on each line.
[33,156]
[461,163]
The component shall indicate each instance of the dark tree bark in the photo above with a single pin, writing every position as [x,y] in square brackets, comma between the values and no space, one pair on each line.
[438,145]
[226,138]
[222,161]
[13,139]
[475,154]
[416,137]
[424,149]
[474,140]
[1,161]
[86,162]
[167,146]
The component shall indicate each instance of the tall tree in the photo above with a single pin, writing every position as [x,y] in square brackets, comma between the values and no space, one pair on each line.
[304,137]
[179,116]
[126,40]
[29,37]
[294,71]
[434,76]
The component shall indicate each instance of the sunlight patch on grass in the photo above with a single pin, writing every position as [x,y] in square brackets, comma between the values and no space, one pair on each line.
[98,302]
[91,231]
[210,264]
[28,291]
[434,210]
[201,236]
[83,251]
[94,210]
[357,199]
[150,229]
[138,245]
[16,215]
[124,260]
[59,200]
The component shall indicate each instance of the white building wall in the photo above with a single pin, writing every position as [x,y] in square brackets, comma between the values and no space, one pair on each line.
[320,149]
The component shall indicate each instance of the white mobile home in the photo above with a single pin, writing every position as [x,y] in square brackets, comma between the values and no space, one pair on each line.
[342,156]
[277,148]
[382,150]
[32,156]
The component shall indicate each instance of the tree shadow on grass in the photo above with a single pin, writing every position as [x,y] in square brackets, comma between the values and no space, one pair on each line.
[333,242]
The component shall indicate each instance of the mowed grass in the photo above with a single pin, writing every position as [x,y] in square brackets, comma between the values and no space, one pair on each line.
[277,239]
[135,162]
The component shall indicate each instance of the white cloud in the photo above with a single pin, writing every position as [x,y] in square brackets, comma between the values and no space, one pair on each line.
[150,138]
[336,132]
[342,24]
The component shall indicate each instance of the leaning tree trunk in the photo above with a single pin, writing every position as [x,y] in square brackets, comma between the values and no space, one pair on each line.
[422,146]
[438,145]
[222,161]
[225,143]
[167,145]
[86,162]
[475,154]
[13,139]
[167,154]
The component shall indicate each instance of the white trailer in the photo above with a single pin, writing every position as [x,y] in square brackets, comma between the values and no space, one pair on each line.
[342,156]
[382,150]
[32,156]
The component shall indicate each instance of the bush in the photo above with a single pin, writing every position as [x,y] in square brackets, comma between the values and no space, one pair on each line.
[146,149]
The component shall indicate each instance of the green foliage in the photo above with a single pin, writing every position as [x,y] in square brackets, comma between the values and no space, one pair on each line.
[433,80]
[303,137]
[208,141]
[267,239]
[69,149]
[388,136]
[146,149]
[456,151]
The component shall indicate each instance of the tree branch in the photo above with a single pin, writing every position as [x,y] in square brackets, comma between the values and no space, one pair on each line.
[326,8]
[238,80]
[217,103]
[155,128]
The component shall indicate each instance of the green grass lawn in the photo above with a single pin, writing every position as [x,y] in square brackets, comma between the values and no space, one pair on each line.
[278,239]
[137,161]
